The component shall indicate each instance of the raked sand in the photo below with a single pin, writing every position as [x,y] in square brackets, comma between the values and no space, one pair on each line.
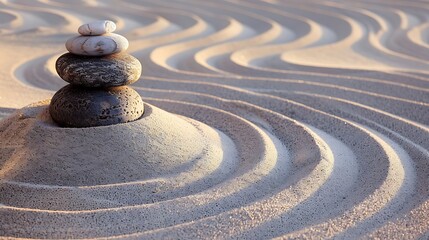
[264,119]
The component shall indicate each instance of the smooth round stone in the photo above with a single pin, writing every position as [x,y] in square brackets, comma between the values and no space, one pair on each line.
[97,45]
[74,106]
[106,71]
[97,28]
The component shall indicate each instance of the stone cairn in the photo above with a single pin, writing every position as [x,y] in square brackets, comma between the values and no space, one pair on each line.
[97,69]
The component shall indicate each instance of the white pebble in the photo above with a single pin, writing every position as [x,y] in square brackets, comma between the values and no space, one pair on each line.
[97,45]
[97,28]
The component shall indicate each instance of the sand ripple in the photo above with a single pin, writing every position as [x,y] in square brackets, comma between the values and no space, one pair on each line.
[282,119]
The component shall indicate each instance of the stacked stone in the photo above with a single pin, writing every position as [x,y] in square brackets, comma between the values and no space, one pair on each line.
[97,69]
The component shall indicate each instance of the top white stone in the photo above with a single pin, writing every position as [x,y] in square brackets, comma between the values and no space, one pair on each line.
[97,28]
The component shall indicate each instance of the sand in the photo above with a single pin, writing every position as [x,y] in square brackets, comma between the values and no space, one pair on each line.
[264,119]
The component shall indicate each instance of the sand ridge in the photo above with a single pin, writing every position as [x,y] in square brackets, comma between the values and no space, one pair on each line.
[289,119]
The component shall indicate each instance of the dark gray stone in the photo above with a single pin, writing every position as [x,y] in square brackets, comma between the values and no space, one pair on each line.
[75,106]
[106,71]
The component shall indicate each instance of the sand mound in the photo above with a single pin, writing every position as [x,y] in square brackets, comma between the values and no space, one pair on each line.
[38,151]
[154,156]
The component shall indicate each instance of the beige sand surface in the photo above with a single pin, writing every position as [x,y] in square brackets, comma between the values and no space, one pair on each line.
[264,119]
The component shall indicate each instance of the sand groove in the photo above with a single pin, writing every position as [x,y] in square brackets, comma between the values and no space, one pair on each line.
[265,119]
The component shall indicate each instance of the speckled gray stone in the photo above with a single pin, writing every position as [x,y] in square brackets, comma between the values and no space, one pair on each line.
[107,71]
[74,106]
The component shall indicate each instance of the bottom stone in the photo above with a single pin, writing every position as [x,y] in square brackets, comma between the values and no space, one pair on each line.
[74,106]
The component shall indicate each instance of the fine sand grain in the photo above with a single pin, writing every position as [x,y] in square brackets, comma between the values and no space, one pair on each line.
[264,119]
